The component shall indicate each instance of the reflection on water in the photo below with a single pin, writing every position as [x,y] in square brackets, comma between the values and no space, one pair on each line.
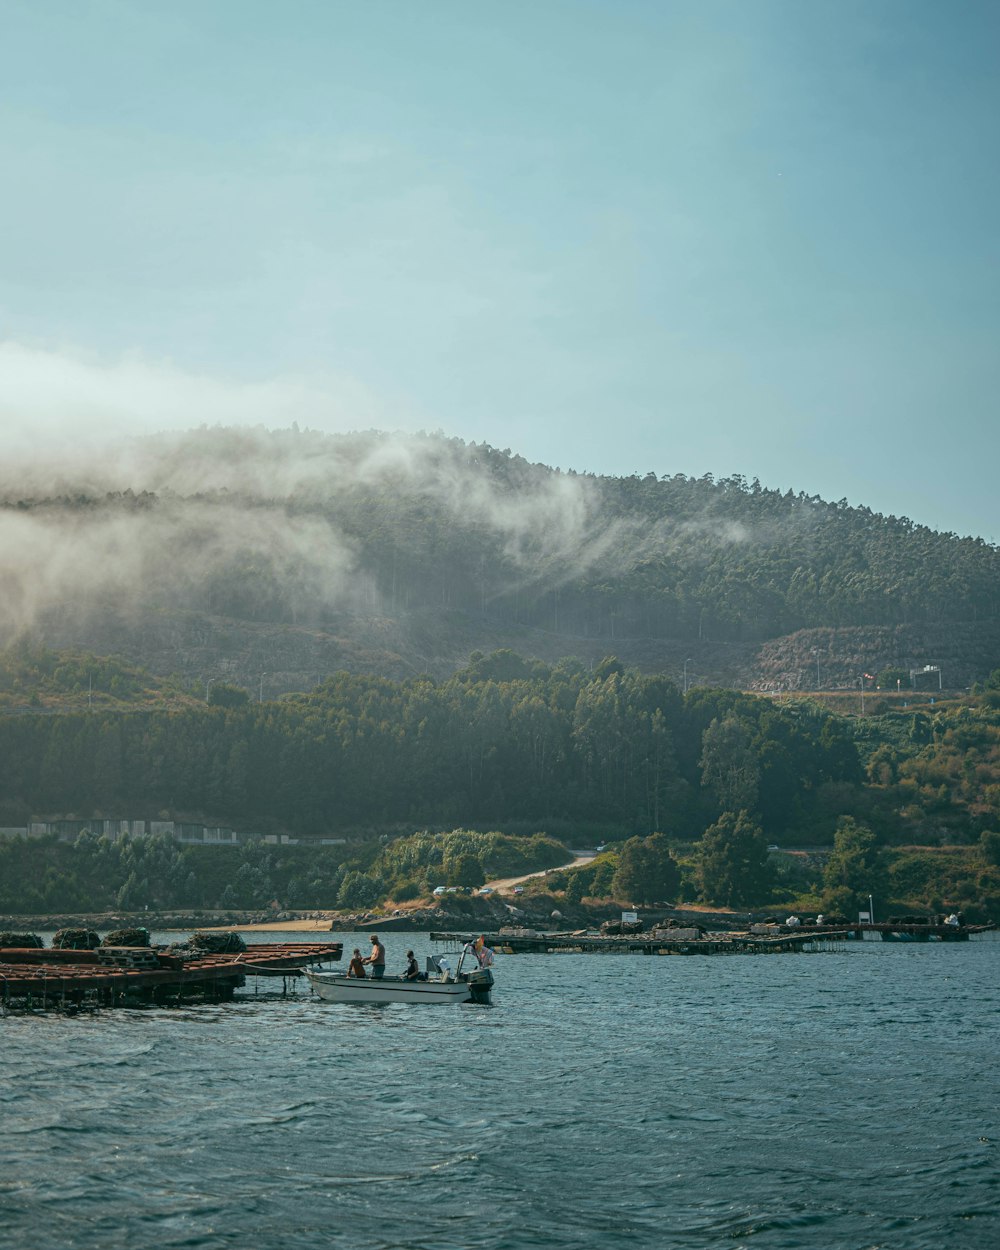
[836,1100]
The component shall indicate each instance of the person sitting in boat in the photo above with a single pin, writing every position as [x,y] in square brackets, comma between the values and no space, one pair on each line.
[376,958]
[412,972]
[357,965]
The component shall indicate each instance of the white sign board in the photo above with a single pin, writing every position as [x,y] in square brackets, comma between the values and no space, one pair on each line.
[629,917]
[864,917]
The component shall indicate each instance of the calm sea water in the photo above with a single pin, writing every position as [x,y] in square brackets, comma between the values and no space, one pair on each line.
[829,1100]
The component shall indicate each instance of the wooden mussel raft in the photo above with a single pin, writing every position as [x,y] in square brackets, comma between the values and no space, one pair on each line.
[126,976]
[763,939]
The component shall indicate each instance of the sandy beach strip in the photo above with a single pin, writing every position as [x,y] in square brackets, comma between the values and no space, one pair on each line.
[314,925]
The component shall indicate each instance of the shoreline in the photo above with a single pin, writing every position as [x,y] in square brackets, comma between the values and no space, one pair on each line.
[412,919]
[273,926]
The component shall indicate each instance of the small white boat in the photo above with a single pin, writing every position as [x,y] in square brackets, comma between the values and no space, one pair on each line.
[437,985]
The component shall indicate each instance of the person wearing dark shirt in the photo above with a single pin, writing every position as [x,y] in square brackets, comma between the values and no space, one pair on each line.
[412,971]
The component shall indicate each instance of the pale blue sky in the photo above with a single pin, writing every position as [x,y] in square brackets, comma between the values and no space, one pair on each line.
[754,236]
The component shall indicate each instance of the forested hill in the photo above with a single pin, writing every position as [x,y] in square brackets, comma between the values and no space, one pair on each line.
[717,780]
[243,552]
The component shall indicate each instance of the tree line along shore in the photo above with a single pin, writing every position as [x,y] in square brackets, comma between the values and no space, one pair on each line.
[710,795]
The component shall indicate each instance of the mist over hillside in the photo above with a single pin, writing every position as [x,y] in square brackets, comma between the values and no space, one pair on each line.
[238,552]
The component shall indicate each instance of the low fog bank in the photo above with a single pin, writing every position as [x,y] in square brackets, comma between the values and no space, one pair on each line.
[296,528]
[280,524]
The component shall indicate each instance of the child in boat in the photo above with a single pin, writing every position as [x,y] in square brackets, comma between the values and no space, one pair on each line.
[357,967]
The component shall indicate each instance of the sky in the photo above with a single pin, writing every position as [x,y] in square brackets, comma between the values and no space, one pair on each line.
[616,236]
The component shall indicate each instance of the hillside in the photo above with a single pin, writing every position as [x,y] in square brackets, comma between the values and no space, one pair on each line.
[722,796]
[271,559]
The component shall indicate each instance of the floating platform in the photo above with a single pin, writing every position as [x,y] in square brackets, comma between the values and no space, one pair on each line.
[130,976]
[648,944]
[777,941]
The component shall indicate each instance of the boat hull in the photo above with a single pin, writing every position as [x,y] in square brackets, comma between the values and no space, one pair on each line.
[333,987]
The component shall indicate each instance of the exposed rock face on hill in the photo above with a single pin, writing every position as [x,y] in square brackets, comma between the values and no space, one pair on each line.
[836,658]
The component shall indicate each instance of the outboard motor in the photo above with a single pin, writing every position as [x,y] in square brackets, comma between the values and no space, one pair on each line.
[480,985]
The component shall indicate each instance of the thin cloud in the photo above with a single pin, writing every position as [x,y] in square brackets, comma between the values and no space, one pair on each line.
[48,396]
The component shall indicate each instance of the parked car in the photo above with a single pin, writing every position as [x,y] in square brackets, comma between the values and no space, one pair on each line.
[518,889]
[487,889]
[439,890]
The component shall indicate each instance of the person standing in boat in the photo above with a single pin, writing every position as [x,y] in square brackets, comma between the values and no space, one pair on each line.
[376,958]
[357,965]
[412,972]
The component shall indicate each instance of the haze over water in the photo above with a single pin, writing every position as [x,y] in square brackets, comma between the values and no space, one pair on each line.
[844,1100]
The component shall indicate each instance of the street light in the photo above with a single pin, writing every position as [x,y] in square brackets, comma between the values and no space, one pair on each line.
[815,652]
[686,663]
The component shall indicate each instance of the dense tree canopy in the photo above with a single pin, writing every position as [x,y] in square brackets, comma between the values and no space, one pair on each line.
[855,870]
[504,744]
[94,873]
[97,873]
[647,871]
[550,746]
[734,867]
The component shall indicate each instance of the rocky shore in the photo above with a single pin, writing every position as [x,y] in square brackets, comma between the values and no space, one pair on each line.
[460,912]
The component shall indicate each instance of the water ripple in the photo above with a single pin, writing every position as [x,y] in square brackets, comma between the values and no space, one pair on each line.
[847,1101]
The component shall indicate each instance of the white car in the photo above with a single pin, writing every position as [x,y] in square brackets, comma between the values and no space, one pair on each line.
[439,890]
[518,889]
[487,889]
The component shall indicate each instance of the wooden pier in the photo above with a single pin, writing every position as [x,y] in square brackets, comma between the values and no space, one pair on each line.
[70,980]
[648,944]
[778,941]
